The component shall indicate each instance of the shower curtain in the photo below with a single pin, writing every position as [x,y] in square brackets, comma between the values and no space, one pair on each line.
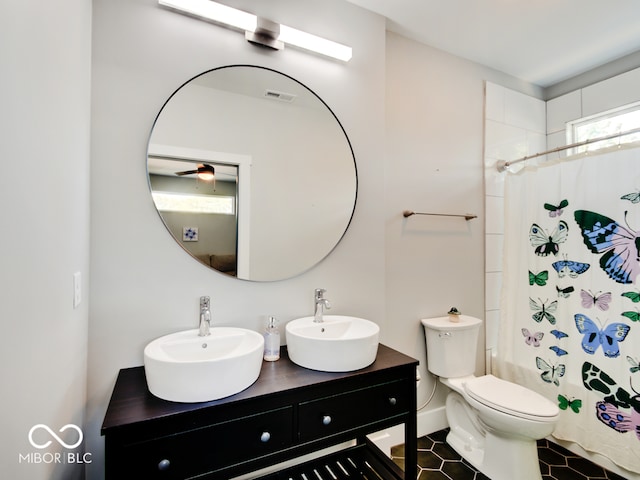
[570,305]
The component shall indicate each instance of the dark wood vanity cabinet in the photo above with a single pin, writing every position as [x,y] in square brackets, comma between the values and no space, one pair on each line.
[288,412]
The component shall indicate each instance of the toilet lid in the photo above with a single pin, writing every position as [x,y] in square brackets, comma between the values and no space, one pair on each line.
[509,397]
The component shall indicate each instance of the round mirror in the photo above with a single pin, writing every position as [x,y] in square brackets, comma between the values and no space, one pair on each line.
[251,173]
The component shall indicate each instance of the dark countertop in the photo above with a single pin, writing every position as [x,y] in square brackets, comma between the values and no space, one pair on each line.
[132,403]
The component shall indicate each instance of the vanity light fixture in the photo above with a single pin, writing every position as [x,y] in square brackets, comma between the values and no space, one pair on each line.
[307,41]
[259,30]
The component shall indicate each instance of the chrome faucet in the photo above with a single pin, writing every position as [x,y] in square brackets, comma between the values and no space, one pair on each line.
[205,316]
[320,304]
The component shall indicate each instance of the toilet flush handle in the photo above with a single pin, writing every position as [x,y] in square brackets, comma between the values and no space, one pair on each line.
[444,334]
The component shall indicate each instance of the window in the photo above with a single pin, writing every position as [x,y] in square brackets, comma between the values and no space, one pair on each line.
[190,203]
[603,124]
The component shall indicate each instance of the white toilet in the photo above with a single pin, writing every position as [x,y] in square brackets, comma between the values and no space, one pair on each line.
[494,423]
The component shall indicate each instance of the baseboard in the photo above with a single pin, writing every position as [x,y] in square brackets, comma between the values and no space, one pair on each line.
[428,422]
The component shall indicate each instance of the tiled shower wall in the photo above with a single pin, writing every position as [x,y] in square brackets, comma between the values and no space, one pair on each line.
[514,127]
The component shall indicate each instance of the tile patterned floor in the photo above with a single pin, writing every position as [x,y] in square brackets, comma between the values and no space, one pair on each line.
[438,461]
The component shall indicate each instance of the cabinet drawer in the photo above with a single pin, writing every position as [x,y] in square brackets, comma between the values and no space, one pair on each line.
[357,408]
[206,449]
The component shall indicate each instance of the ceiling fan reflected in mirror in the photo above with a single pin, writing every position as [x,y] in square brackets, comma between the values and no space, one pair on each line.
[204,172]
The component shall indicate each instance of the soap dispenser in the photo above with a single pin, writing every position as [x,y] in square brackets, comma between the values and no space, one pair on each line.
[272,340]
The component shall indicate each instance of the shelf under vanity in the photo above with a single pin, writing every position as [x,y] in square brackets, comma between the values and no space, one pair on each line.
[288,412]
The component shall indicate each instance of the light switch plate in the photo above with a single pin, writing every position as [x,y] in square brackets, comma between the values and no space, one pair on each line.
[77,289]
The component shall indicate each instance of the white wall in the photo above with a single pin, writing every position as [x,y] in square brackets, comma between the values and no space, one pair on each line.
[143,284]
[44,189]
[434,163]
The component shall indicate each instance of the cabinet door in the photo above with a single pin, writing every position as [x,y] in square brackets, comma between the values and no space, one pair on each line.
[346,411]
[205,449]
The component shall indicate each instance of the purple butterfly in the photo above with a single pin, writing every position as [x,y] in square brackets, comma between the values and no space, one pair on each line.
[616,398]
[601,301]
[532,338]
[619,245]
[615,418]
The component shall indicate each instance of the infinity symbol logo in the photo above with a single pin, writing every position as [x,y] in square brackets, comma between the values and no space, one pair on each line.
[53,434]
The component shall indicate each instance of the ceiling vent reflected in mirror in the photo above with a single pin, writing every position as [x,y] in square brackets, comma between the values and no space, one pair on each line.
[281,96]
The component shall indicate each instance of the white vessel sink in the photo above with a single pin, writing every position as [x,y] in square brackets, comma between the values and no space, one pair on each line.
[183,367]
[338,344]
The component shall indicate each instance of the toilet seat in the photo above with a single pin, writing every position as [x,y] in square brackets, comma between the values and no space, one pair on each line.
[510,398]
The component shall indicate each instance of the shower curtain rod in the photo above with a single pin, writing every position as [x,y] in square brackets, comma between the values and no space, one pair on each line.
[503,165]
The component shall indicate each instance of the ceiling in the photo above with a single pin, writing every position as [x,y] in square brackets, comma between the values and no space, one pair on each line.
[543,42]
[168,167]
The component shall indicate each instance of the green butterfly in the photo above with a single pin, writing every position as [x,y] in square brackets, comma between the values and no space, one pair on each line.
[633,197]
[635,367]
[633,296]
[633,316]
[556,210]
[564,403]
[543,310]
[539,278]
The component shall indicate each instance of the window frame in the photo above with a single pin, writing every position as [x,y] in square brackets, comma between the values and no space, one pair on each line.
[194,197]
[573,136]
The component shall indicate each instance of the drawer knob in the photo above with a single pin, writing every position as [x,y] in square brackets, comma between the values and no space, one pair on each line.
[326,420]
[164,465]
[392,401]
[265,437]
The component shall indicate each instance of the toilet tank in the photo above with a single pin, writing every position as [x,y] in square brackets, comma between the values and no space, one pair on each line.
[451,346]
